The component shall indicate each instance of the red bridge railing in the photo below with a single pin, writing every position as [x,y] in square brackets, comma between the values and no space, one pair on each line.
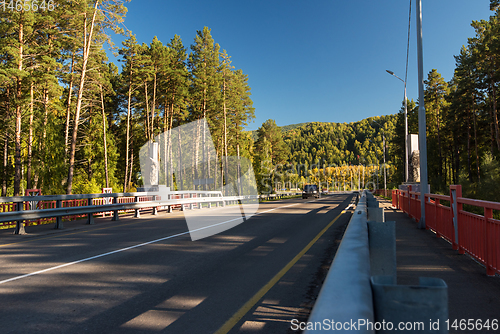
[468,232]
[6,207]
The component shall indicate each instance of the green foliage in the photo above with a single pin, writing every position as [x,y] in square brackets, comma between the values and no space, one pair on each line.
[436,106]
[287,128]
[487,189]
[270,153]
[161,86]
[463,131]
[340,143]
[86,186]
[463,134]
[270,140]
[333,155]
[65,108]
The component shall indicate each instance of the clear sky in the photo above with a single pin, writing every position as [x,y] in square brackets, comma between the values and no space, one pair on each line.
[318,60]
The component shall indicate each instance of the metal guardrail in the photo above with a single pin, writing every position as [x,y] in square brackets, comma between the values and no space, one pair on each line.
[347,284]
[17,199]
[278,195]
[20,215]
[360,293]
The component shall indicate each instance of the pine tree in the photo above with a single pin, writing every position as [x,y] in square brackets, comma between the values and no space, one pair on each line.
[101,16]
[463,104]
[176,99]
[205,93]
[129,52]
[486,47]
[436,90]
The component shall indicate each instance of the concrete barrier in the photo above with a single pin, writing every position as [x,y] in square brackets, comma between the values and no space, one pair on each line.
[360,293]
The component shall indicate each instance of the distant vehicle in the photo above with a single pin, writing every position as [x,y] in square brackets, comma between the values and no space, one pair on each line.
[310,190]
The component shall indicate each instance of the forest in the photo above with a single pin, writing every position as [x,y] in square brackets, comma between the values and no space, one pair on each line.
[74,122]
[338,156]
[463,135]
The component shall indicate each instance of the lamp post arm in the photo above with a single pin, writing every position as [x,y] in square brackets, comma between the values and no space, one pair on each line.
[397,77]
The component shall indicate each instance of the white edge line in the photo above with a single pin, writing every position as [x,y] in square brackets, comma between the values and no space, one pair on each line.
[136,246]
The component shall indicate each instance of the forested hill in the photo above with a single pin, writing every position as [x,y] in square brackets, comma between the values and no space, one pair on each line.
[284,129]
[293,126]
[338,143]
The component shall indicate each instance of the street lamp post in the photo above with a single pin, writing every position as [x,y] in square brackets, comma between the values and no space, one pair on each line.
[385,173]
[406,126]
[422,135]
[385,169]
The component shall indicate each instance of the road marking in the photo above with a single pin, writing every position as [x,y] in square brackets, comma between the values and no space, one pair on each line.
[114,226]
[78,232]
[89,258]
[126,224]
[132,247]
[251,303]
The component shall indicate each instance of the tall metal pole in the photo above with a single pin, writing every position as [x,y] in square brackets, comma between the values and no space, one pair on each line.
[422,136]
[407,172]
[406,126]
[406,138]
[385,173]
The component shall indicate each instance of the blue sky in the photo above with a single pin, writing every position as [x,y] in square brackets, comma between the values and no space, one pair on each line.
[318,60]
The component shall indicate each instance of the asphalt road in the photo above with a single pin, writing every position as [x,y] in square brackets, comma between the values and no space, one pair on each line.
[147,276]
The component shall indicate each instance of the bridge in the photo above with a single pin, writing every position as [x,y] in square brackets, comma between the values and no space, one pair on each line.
[145,275]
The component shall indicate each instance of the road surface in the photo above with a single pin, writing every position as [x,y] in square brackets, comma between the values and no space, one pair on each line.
[145,275]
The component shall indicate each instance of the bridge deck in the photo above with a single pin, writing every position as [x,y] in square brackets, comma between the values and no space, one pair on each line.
[472,294]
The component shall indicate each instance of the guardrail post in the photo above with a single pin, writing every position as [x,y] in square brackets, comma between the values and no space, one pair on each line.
[59,223]
[137,213]
[398,304]
[455,191]
[19,223]
[169,207]
[488,214]
[382,246]
[155,208]
[115,214]
[90,215]
[436,217]
[409,200]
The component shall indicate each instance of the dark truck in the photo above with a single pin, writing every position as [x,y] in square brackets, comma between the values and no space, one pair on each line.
[310,190]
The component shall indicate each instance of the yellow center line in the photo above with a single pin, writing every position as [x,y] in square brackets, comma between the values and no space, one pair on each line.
[251,303]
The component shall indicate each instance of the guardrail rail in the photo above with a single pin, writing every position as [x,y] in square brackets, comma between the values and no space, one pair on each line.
[360,293]
[19,209]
